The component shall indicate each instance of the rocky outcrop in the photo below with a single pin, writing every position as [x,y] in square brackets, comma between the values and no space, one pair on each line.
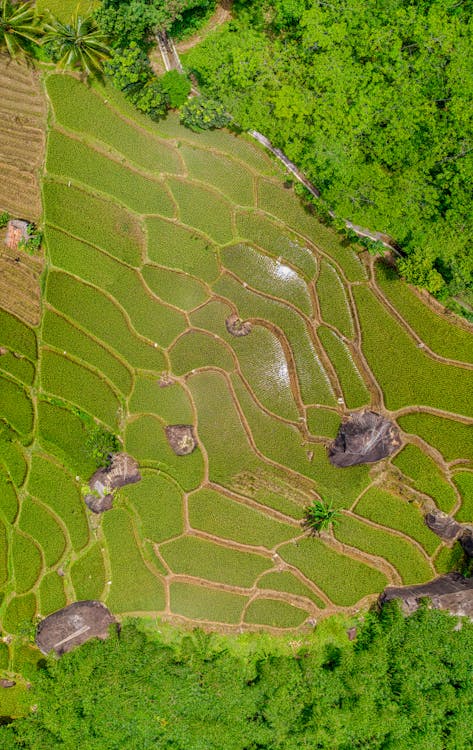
[123,470]
[237,327]
[72,626]
[363,438]
[451,592]
[181,438]
[443,525]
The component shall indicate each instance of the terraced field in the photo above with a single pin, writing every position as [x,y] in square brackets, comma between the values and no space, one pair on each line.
[155,237]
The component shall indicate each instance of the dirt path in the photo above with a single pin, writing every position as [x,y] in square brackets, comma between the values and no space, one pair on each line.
[221,16]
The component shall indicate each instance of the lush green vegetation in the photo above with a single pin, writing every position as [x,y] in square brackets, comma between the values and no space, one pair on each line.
[325,692]
[371,102]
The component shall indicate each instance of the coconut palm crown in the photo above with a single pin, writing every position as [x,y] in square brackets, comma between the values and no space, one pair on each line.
[19,27]
[319,517]
[77,44]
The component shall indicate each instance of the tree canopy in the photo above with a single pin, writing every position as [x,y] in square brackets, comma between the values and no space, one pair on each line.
[403,683]
[373,102]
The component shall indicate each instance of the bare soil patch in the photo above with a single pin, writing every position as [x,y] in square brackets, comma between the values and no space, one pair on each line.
[20,291]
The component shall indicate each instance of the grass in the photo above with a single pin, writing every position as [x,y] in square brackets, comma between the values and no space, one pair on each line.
[96,313]
[313,381]
[174,288]
[83,164]
[75,383]
[148,315]
[20,367]
[17,336]
[343,579]
[94,219]
[381,507]
[277,241]
[159,505]
[3,554]
[134,588]
[263,364]
[277,440]
[63,434]
[265,274]
[42,527]
[181,248]
[61,334]
[426,476]
[229,177]
[285,581]
[15,406]
[402,554]
[213,562]
[203,209]
[95,119]
[51,594]
[452,439]
[19,613]
[195,350]
[440,334]
[211,317]
[416,379]
[201,603]
[171,403]
[333,300]
[285,205]
[48,482]
[323,422]
[219,515]
[64,9]
[88,573]
[274,613]
[14,460]
[336,487]
[8,499]
[145,439]
[464,482]
[354,389]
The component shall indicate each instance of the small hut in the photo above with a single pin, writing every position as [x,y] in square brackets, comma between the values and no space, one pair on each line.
[17,231]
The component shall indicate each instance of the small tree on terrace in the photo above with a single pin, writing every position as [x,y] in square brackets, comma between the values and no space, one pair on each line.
[77,44]
[19,27]
[319,517]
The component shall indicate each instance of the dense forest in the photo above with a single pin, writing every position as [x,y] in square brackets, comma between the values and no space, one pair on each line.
[403,683]
[373,102]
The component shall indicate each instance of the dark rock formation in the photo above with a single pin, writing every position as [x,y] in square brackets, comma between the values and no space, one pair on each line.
[451,592]
[443,525]
[123,470]
[72,626]
[363,438]
[181,438]
[237,327]
[7,683]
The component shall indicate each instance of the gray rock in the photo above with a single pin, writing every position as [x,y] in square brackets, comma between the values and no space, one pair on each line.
[363,438]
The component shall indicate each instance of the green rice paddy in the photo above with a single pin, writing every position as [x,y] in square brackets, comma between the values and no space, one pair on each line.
[154,236]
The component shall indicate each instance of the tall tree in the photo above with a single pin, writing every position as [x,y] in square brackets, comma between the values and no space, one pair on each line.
[19,27]
[77,44]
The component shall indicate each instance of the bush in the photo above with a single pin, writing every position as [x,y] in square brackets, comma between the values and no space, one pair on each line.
[176,86]
[204,114]
[151,99]
[129,69]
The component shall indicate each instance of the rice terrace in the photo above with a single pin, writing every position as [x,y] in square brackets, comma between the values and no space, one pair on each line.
[185,285]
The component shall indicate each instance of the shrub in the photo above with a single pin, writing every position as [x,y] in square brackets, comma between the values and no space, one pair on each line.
[176,87]
[204,114]
[151,99]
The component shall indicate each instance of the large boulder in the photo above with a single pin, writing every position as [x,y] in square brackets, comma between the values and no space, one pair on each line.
[443,525]
[363,438]
[72,626]
[181,438]
[451,592]
[123,470]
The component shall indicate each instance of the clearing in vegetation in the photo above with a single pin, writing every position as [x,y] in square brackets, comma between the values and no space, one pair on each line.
[155,238]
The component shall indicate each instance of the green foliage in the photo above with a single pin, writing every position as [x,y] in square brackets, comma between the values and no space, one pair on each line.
[129,23]
[404,681]
[176,86]
[151,99]
[101,443]
[4,219]
[373,104]
[77,44]
[129,69]
[201,113]
[19,30]
[319,517]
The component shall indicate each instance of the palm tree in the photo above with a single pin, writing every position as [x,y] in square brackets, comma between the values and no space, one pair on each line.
[319,516]
[77,44]
[19,27]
